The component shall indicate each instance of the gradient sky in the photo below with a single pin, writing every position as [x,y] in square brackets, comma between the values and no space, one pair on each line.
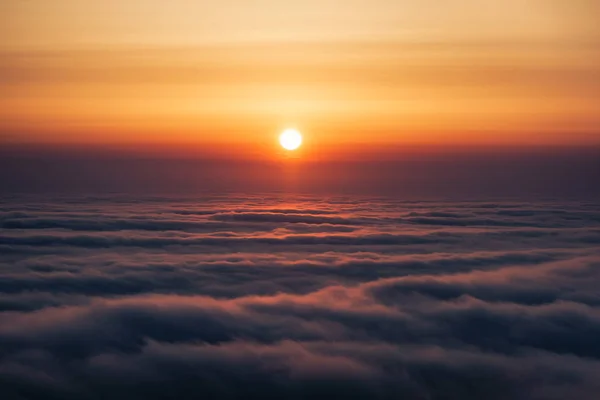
[234,73]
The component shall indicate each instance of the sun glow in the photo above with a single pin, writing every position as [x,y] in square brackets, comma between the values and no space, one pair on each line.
[290,139]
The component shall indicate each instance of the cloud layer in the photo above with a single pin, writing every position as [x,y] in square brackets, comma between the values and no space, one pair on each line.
[301,297]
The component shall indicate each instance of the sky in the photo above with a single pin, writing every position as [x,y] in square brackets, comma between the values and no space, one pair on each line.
[226,77]
[436,236]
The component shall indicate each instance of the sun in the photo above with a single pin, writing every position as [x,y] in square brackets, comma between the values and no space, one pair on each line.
[290,139]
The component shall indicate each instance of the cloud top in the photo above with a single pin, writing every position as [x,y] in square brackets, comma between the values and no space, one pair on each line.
[252,298]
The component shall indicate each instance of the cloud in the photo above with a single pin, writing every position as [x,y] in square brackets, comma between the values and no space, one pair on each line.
[248,298]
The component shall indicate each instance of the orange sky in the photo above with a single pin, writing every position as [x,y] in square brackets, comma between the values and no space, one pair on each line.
[236,72]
